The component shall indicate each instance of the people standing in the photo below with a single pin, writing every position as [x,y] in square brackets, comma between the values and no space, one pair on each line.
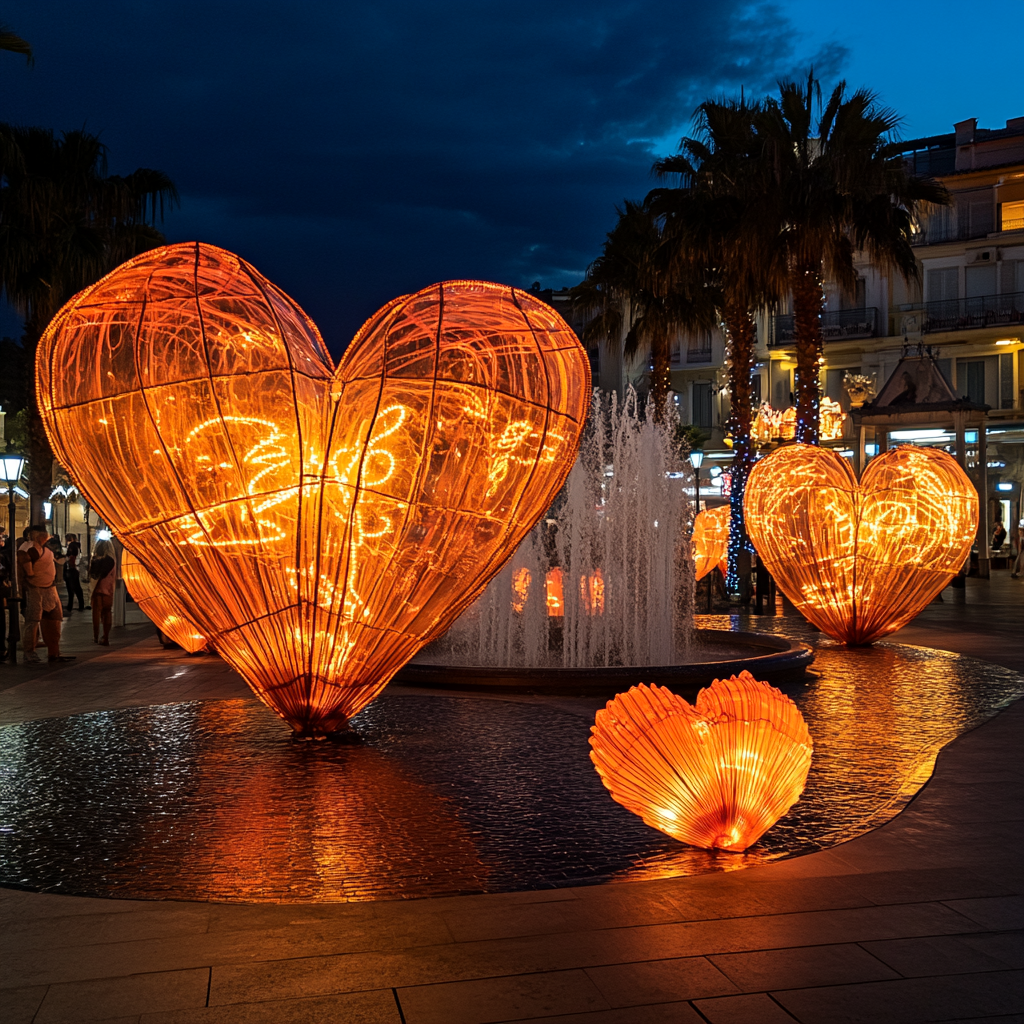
[43,608]
[1018,565]
[102,573]
[72,576]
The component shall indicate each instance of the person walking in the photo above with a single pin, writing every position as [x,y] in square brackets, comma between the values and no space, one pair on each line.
[72,575]
[102,573]
[43,608]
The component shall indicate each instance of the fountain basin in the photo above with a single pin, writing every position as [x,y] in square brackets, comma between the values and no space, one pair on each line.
[718,653]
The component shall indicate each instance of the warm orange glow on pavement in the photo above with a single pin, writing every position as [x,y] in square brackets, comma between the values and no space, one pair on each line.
[158,606]
[717,774]
[319,525]
[861,560]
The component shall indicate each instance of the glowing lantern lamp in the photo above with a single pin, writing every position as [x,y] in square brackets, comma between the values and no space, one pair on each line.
[717,774]
[318,525]
[158,606]
[711,540]
[860,560]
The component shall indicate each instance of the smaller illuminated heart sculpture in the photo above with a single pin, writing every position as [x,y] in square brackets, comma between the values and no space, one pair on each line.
[861,560]
[711,540]
[319,525]
[717,774]
[158,606]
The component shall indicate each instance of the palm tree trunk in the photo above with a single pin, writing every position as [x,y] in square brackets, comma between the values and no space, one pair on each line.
[742,340]
[808,302]
[661,377]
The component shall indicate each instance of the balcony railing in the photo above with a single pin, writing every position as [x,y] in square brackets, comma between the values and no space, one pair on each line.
[1012,224]
[836,325]
[967,314]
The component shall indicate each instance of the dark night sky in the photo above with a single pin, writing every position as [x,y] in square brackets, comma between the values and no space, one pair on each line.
[353,153]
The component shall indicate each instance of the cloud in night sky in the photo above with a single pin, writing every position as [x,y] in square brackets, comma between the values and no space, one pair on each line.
[355,152]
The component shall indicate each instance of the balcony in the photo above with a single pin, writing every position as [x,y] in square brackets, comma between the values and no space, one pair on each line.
[968,314]
[837,325]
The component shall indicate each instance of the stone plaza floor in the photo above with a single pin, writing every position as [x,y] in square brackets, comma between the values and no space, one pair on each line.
[920,920]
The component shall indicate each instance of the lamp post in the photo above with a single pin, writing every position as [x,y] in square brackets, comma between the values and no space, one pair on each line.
[696,459]
[13,464]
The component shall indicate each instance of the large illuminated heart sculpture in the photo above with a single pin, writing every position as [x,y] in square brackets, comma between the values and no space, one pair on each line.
[318,525]
[160,607]
[711,540]
[861,560]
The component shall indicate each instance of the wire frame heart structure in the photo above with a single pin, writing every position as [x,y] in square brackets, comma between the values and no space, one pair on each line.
[160,607]
[711,540]
[716,774]
[860,560]
[319,525]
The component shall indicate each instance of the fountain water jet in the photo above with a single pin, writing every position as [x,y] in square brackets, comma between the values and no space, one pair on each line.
[606,578]
[600,595]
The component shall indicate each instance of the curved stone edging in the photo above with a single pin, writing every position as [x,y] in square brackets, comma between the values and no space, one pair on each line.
[784,661]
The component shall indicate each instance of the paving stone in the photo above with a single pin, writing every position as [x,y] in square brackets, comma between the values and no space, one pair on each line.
[998,913]
[353,1008]
[748,1009]
[499,999]
[659,981]
[944,954]
[911,1001]
[19,1005]
[659,1013]
[804,966]
[118,997]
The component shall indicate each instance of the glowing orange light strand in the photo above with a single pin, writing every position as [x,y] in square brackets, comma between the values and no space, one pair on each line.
[159,606]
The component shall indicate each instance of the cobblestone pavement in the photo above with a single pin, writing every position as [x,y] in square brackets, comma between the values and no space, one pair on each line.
[921,920]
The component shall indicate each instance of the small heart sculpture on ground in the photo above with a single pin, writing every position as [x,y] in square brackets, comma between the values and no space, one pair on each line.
[711,540]
[318,525]
[717,774]
[160,607]
[860,560]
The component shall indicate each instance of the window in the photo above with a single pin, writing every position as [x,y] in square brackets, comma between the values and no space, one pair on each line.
[755,389]
[834,385]
[1005,381]
[1012,216]
[943,285]
[702,405]
[970,379]
[1011,276]
[980,281]
[858,299]
[783,391]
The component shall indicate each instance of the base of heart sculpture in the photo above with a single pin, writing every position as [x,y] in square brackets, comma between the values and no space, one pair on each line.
[860,560]
[716,774]
[318,525]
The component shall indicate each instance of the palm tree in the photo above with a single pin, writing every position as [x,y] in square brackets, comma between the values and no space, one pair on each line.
[13,43]
[721,241]
[64,223]
[834,186]
[627,299]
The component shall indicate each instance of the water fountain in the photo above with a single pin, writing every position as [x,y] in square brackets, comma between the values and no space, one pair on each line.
[600,594]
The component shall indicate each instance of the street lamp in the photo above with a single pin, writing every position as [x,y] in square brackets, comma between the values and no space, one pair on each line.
[696,458]
[13,464]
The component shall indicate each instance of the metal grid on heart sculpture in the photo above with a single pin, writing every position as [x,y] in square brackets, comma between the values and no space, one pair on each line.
[711,540]
[716,774]
[160,607]
[860,560]
[318,525]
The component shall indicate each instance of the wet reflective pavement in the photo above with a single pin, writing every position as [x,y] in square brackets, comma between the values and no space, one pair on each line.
[445,795]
